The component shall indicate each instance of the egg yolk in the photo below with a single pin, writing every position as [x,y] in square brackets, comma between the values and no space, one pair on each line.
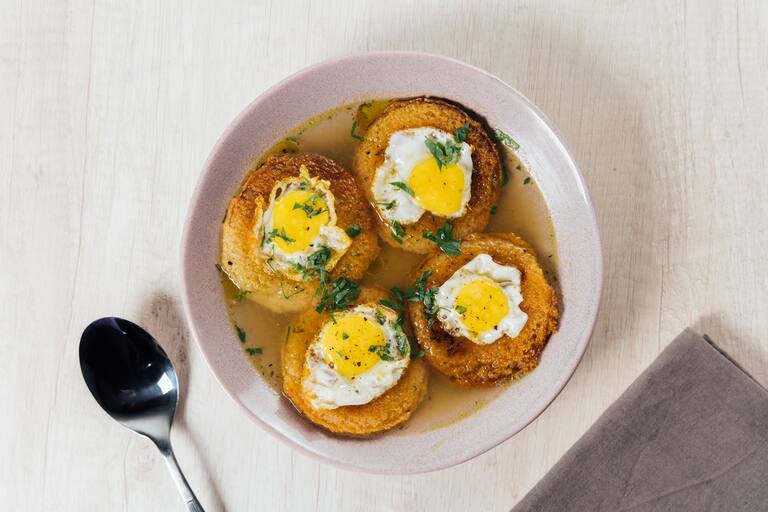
[300,213]
[345,344]
[481,304]
[437,190]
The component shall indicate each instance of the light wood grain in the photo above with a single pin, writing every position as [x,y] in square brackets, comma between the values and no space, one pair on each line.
[108,110]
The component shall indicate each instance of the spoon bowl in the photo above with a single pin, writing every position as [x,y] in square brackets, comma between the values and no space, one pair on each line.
[133,380]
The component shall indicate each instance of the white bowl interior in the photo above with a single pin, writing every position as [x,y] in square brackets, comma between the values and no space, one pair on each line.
[383,75]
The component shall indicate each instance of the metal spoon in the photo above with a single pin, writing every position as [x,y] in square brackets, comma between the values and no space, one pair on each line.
[132,379]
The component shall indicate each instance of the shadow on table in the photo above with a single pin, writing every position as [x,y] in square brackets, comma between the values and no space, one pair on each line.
[162,317]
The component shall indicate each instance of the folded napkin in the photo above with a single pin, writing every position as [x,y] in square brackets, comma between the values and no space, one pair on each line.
[691,433]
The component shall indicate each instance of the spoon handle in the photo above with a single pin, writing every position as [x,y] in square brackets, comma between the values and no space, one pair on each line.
[181,483]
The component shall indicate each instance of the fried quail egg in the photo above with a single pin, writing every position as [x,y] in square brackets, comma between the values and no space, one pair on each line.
[356,356]
[298,229]
[481,301]
[412,181]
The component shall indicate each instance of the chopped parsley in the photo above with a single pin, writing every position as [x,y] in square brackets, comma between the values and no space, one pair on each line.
[506,139]
[252,351]
[448,153]
[420,292]
[382,351]
[292,138]
[241,295]
[380,317]
[391,304]
[444,239]
[425,295]
[462,132]
[337,295]
[416,352]
[460,310]
[319,258]
[310,206]
[344,336]
[493,210]
[527,180]
[402,186]
[387,205]
[398,232]
[240,333]
[278,234]
[354,230]
[402,340]
[353,130]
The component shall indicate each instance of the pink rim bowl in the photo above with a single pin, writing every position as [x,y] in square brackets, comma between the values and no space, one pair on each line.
[381,75]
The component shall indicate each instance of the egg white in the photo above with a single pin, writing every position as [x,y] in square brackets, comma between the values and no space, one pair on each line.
[326,388]
[482,266]
[405,150]
[330,235]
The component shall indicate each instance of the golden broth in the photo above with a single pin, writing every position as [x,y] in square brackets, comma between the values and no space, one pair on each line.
[521,209]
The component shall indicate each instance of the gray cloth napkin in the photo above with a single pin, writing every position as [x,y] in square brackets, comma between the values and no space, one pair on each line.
[691,433]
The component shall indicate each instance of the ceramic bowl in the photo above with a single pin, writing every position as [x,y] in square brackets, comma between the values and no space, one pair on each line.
[381,75]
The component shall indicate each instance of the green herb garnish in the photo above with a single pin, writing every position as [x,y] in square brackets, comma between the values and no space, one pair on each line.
[462,132]
[353,130]
[337,295]
[319,258]
[419,292]
[527,180]
[398,231]
[416,352]
[402,186]
[493,210]
[391,304]
[240,333]
[448,153]
[402,340]
[292,138]
[506,139]
[380,317]
[382,351]
[310,206]
[252,351]
[241,295]
[354,230]
[387,205]
[444,239]
[445,154]
[278,234]
[460,309]
[344,336]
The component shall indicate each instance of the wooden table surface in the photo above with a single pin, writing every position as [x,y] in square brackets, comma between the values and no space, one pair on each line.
[108,110]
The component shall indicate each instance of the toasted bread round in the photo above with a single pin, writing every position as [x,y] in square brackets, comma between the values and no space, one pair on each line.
[486,173]
[387,411]
[241,258]
[471,364]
